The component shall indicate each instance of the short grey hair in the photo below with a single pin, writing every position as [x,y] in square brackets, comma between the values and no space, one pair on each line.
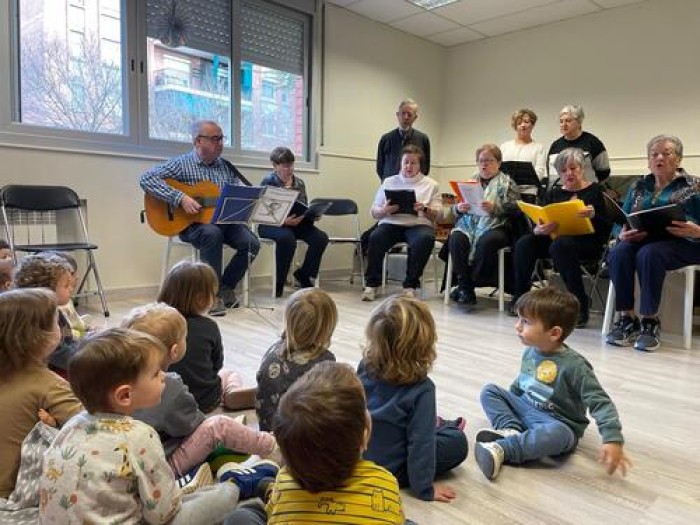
[409,102]
[569,154]
[573,110]
[197,125]
[663,139]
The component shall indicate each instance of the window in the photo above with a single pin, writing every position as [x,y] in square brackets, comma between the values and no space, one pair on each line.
[132,76]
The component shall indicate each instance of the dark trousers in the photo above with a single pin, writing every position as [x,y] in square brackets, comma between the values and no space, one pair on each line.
[451,449]
[566,252]
[650,261]
[209,239]
[285,238]
[420,240]
[484,267]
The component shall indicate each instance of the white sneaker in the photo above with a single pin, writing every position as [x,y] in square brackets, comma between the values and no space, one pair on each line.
[486,435]
[369,293]
[410,292]
[489,457]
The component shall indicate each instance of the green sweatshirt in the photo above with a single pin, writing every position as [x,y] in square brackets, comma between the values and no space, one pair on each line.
[564,385]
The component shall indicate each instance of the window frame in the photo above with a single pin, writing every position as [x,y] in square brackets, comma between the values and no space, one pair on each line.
[135,140]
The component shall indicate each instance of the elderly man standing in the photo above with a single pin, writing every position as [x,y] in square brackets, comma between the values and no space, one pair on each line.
[204,163]
[392,143]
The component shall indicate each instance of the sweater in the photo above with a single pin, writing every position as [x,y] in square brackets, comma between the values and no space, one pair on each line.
[426,190]
[596,166]
[389,151]
[564,385]
[403,429]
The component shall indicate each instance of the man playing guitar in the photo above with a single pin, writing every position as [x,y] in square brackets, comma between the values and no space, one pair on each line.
[204,163]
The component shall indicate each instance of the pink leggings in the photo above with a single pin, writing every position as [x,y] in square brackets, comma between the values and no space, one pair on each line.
[214,430]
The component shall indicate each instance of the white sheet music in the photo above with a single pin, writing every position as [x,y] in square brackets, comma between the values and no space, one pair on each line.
[274,206]
[473,193]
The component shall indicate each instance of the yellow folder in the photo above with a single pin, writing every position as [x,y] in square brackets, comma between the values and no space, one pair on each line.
[563,213]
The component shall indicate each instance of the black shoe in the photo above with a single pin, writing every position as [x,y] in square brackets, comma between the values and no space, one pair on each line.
[279,290]
[648,340]
[228,296]
[582,320]
[466,296]
[512,312]
[303,280]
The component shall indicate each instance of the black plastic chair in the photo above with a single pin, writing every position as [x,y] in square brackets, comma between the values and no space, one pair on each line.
[339,208]
[23,206]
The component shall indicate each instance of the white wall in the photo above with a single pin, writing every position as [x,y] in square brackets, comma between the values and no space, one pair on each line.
[369,69]
[635,70]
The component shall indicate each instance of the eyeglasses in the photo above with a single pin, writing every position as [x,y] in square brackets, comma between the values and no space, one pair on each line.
[664,154]
[213,138]
[486,161]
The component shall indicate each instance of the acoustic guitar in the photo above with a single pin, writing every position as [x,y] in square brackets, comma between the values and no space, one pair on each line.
[166,220]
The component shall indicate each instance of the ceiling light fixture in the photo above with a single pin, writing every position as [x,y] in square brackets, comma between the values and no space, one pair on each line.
[431,4]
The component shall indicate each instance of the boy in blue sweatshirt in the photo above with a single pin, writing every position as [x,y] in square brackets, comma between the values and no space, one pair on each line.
[544,412]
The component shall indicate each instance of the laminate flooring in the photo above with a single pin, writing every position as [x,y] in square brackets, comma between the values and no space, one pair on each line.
[657,395]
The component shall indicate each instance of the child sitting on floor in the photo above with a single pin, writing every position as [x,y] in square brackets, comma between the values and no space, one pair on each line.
[106,467]
[322,427]
[407,436]
[188,436]
[55,273]
[310,317]
[28,334]
[544,412]
[190,288]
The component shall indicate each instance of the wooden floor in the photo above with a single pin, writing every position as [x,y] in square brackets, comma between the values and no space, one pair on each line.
[657,395]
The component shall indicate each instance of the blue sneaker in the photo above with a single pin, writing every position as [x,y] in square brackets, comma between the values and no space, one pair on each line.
[249,479]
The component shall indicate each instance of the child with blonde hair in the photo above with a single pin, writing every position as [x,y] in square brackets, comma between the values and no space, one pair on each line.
[28,334]
[188,436]
[310,317]
[406,440]
[55,273]
[107,467]
[190,288]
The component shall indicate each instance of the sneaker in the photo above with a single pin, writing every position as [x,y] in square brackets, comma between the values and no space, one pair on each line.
[624,332]
[487,435]
[410,292]
[369,293]
[489,456]
[302,281]
[512,312]
[248,479]
[466,296]
[218,309]
[198,477]
[228,296]
[648,340]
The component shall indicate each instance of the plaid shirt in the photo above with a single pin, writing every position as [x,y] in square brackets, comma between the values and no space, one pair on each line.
[188,169]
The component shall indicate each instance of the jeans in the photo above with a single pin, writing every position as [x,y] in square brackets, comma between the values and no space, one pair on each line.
[650,261]
[541,435]
[420,240]
[285,238]
[209,239]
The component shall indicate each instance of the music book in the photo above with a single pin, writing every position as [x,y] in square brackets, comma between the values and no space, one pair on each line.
[405,199]
[310,212]
[472,193]
[565,214]
[522,172]
[245,204]
[653,220]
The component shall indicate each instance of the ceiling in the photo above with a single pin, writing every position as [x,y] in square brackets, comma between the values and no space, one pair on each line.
[471,20]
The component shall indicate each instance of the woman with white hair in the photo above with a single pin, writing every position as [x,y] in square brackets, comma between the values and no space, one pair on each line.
[650,255]
[597,166]
[566,251]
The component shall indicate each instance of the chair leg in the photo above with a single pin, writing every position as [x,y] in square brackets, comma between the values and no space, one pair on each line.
[435,270]
[274,270]
[166,260]
[501,278]
[362,263]
[688,306]
[448,280]
[609,309]
[98,281]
